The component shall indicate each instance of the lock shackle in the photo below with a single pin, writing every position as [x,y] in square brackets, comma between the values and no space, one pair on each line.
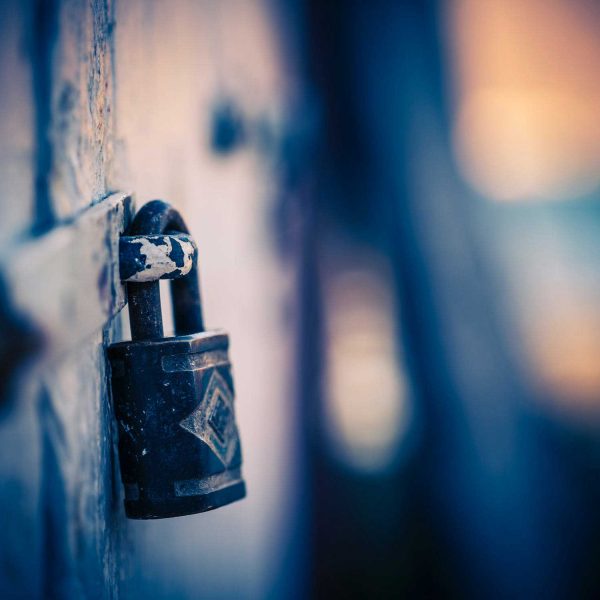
[145,314]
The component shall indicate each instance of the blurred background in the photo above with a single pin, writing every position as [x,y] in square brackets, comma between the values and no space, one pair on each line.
[397,210]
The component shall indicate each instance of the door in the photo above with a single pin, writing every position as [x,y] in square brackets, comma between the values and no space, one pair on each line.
[105,106]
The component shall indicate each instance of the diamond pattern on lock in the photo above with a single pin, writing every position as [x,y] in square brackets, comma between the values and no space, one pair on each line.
[213,421]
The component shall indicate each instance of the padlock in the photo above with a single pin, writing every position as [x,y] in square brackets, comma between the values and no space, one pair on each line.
[179,448]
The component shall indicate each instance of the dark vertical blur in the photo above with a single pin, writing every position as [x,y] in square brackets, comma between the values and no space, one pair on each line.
[434,473]
[374,530]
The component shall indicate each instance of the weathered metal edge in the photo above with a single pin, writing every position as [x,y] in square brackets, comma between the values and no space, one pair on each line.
[145,258]
[66,283]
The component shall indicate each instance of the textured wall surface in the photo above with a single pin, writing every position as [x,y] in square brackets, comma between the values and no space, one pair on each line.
[183,101]
[63,536]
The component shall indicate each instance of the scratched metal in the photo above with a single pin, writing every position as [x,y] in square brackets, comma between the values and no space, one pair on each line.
[213,420]
[192,362]
[146,258]
[193,487]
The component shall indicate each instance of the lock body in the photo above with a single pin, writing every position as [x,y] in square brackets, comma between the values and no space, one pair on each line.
[179,447]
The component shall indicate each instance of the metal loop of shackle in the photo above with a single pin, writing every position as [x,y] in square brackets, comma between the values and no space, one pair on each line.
[154,222]
[144,258]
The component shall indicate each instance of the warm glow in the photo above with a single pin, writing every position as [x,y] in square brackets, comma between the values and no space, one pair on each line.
[516,144]
[565,352]
[366,403]
[527,97]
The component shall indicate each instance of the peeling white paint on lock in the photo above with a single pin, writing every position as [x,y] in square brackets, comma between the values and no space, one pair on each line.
[159,262]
